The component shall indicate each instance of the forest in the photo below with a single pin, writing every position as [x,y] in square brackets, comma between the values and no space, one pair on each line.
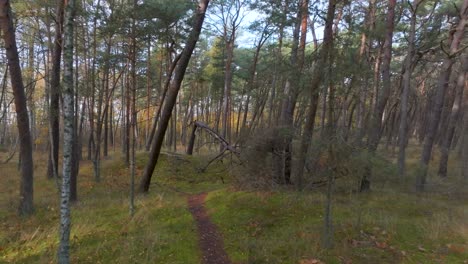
[233,131]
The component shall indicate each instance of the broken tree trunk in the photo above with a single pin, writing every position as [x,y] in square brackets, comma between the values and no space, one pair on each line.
[214,134]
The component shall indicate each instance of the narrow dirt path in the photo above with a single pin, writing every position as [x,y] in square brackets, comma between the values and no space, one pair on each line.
[210,240]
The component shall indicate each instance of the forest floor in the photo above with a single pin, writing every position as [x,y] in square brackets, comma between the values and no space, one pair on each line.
[391,224]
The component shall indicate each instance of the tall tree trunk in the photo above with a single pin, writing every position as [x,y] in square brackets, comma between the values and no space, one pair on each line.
[54,110]
[436,108]
[317,77]
[382,98]
[76,148]
[148,91]
[134,113]
[173,90]
[68,132]
[26,206]
[227,86]
[92,140]
[454,120]
[464,136]
[366,42]
[284,134]
[403,129]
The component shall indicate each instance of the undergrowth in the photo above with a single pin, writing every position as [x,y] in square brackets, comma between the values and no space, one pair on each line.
[391,224]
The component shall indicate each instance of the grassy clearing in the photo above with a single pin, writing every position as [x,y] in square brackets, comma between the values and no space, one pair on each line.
[392,224]
[162,231]
[285,227]
[389,225]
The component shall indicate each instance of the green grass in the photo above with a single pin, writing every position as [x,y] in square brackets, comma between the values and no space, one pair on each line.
[162,231]
[286,227]
[391,224]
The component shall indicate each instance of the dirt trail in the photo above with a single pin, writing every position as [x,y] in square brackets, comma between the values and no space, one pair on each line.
[210,240]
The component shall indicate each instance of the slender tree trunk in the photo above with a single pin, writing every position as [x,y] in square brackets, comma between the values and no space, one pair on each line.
[454,120]
[382,98]
[54,111]
[92,140]
[317,78]
[134,113]
[403,129]
[26,206]
[76,148]
[148,91]
[464,136]
[68,92]
[284,135]
[366,42]
[227,86]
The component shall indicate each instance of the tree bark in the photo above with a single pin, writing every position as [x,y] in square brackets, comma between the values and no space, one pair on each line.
[68,133]
[403,129]
[54,110]
[26,206]
[454,120]
[464,143]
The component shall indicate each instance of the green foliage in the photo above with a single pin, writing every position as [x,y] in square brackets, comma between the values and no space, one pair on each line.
[215,68]
[167,11]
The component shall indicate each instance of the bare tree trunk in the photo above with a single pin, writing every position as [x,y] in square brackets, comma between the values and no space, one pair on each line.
[381,99]
[54,111]
[148,91]
[316,80]
[76,148]
[227,86]
[134,113]
[68,132]
[26,206]
[173,90]
[366,42]
[284,134]
[403,129]
[464,136]
[454,120]
[442,85]
[92,140]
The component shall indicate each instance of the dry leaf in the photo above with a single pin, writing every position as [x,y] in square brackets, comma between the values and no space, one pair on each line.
[381,245]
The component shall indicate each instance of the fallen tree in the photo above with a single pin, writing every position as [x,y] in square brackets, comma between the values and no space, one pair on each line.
[218,137]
